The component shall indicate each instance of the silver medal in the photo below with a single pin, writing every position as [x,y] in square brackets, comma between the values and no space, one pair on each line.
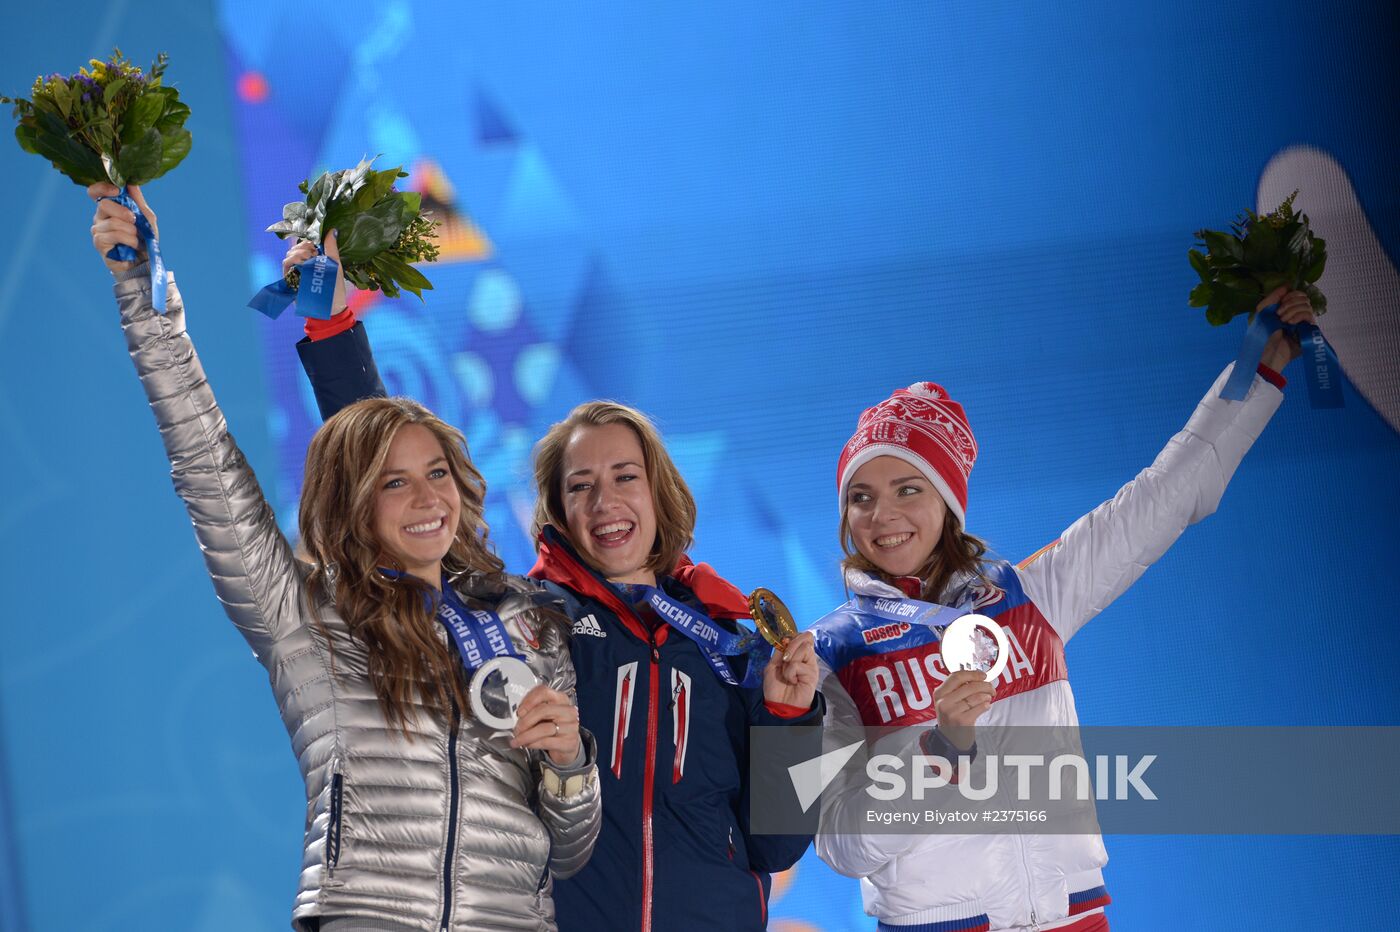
[975,642]
[496,690]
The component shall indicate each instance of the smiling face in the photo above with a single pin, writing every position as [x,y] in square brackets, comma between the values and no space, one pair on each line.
[417,506]
[607,501]
[895,515]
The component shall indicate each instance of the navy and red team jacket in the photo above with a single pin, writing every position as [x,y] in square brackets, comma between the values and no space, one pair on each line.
[674,853]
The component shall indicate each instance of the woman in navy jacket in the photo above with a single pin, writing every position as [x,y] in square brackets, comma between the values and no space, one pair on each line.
[613,515]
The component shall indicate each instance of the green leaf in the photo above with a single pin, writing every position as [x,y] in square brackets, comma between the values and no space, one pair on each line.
[1222,246]
[140,161]
[1199,263]
[1261,247]
[402,271]
[52,140]
[25,134]
[141,116]
[370,232]
[175,115]
[1200,295]
[1218,316]
[110,92]
[319,190]
[63,97]
[377,185]
[175,146]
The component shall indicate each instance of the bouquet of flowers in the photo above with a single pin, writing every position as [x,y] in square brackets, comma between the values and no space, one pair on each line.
[1257,255]
[379,231]
[114,123]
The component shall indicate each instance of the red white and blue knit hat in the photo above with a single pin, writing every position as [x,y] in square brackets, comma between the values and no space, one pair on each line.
[924,427]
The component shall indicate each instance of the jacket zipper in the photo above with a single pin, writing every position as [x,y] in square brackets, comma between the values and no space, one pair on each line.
[333,830]
[1030,881]
[632,621]
[448,865]
[653,701]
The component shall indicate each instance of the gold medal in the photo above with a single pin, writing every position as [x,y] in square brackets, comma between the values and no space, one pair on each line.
[772,617]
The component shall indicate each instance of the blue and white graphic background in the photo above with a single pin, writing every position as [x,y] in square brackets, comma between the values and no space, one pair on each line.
[752,221]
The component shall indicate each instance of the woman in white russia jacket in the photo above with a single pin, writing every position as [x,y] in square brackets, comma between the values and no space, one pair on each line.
[903,495]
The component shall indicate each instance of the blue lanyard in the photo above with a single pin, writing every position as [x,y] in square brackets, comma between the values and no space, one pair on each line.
[714,642]
[474,631]
[909,611]
[1324,373]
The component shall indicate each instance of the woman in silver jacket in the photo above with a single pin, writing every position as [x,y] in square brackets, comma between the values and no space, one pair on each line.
[418,817]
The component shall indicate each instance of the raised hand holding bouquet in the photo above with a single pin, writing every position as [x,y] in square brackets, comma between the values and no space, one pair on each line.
[115,124]
[379,231]
[1268,267]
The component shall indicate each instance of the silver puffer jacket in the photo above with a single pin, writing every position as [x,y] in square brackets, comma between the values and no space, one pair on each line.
[452,830]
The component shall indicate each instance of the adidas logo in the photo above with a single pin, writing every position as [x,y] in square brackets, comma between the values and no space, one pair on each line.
[589,625]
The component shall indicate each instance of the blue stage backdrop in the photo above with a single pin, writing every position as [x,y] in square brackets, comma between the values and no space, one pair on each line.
[752,221]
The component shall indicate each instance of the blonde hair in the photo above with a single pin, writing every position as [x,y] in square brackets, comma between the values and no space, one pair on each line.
[956,552]
[392,617]
[675,506]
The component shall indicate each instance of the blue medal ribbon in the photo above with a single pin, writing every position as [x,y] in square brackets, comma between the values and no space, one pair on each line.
[909,611]
[474,631]
[313,296]
[1324,373]
[714,642]
[479,634]
[124,253]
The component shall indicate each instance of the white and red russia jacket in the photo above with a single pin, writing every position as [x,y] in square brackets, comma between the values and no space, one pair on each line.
[875,674]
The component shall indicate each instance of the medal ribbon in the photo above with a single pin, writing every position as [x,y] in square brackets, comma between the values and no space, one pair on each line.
[714,642]
[314,292]
[475,631]
[909,611]
[124,253]
[1324,372]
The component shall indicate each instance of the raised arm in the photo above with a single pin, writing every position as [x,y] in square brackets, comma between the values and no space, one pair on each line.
[335,354]
[1105,552]
[254,572]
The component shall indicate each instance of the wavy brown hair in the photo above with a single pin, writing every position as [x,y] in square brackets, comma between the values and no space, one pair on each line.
[408,664]
[670,496]
[956,552]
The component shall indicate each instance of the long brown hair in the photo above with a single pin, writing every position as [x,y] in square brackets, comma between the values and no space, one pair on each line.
[670,496]
[407,662]
[956,553]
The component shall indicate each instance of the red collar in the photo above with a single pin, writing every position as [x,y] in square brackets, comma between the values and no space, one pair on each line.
[911,586]
[559,563]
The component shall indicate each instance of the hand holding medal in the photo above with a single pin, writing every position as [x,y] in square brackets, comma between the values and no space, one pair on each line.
[507,697]
[791,676]
[975,651]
